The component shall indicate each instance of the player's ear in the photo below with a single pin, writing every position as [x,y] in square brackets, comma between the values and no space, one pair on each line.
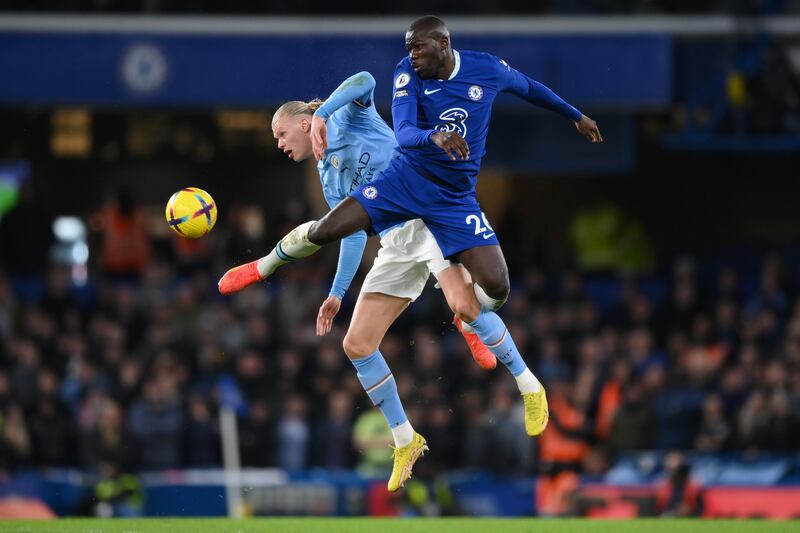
[305,124]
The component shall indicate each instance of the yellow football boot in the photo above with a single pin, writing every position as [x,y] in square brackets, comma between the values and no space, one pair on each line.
[536,413]
[404,459]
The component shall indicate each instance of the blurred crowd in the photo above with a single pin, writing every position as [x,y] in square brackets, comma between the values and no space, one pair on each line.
[122,373]
[311,7]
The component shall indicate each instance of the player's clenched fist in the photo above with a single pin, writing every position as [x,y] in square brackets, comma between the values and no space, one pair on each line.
[452,143]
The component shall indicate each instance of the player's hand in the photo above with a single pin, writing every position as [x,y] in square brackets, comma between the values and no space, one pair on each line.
[588,128]
[319,137]
[452,143]
[327,311]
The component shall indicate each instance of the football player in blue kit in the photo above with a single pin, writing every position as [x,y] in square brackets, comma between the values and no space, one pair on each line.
[441,111]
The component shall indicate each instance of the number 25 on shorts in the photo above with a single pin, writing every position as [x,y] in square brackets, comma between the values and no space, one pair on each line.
[480,229]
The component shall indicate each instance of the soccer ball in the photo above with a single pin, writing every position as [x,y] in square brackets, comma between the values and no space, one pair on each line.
[191,212]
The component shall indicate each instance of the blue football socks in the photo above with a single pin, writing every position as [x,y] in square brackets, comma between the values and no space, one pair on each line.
[493,332]
[378,381]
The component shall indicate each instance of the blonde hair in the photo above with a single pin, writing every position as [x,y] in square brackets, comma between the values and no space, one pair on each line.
[296,107]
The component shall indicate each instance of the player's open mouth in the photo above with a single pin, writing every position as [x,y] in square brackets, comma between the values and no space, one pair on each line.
[288,153]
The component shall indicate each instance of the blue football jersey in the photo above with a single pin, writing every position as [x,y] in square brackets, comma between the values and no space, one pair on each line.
[463,104]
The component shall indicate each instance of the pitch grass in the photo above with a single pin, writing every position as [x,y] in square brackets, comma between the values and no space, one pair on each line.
[391,525]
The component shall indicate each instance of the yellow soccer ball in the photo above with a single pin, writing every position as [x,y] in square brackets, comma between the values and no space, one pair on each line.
[191,212]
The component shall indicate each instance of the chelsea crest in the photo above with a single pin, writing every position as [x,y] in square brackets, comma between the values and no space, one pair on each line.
[475,92]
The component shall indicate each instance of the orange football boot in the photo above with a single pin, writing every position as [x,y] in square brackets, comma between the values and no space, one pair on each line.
[480,353]
[238,278]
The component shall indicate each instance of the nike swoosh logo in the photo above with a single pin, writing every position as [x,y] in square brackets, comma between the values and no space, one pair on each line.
[487,236]
[431,92]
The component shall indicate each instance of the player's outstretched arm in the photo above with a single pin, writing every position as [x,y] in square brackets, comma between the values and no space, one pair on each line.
[358,88]
[541,95]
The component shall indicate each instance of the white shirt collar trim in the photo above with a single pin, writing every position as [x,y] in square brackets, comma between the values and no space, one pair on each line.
[457,67]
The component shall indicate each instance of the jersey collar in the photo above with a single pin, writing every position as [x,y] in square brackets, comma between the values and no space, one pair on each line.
[457,67]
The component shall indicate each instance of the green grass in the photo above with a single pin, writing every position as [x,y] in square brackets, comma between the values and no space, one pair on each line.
[389,525]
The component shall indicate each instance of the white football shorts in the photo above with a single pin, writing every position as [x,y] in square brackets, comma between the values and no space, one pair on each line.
[408,255]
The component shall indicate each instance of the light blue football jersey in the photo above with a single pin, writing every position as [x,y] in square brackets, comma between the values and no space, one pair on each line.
[360,144]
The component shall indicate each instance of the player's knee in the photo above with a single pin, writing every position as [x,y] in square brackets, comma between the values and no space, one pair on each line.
[467,310]
[356,347]
[497,287]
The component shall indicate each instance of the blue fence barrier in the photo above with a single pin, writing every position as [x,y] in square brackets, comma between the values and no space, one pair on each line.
[102,69]
[275,492]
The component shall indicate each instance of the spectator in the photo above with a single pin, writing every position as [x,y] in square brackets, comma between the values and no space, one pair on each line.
[15,444]
[109,442]
[156,422]
[201,439]
[783,430]
[632,427]
[566,441]
[257,435]
[333,441]
[293,433]
[24,376]
[678,495]
[373,439]
[52,435]
[124,245]
[26,235]
[610,399]
[754,421]
[439,425]
[507,451]
[715,432]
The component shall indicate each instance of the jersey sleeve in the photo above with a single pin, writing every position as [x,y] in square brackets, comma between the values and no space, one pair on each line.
[404,109]
[357,89]
[530,90]
[351,248]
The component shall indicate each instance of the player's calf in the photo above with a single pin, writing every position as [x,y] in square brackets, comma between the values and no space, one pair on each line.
[295,245]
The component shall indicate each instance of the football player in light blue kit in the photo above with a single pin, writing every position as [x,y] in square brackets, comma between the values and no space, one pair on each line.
[441,111]
[361,144]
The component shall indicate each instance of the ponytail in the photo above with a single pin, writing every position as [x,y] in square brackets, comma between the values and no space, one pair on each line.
[297,107]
